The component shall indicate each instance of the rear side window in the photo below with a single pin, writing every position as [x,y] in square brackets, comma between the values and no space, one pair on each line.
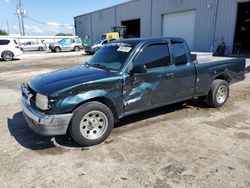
[154,56]
[4,42]
[180,53]
[105,42]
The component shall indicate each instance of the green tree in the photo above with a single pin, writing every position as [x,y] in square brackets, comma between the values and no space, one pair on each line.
[63,34]
[2,32]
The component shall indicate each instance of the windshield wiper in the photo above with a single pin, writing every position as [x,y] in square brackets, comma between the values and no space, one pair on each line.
[86,63]
[97,65]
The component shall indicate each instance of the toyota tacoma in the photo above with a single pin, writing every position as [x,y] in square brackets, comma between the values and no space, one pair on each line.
[124,77]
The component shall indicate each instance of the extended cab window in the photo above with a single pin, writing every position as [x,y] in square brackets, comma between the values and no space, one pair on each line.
[180,53]
[154,56]
[4,42]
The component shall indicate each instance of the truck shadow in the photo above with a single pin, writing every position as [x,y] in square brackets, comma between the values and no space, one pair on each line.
[161,111]
[31,140]
[15,59]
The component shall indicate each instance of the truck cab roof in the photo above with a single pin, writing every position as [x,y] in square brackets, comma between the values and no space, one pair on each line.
[142,40]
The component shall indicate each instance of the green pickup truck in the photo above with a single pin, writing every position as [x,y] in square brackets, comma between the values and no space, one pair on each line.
[124,77]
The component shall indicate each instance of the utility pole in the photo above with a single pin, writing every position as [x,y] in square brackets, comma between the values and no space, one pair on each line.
[20,13]
[8,28]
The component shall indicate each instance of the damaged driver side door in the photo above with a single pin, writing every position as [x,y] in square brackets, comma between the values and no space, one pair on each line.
[152,88]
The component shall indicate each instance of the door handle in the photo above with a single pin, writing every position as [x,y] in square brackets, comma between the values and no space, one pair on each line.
[169,75]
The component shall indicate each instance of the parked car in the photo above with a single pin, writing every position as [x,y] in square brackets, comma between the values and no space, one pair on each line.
[33,46]
[93,49]
[124,77]
[67,44]
[9,49]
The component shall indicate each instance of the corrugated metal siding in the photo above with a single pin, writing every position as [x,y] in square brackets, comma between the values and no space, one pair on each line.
[102,21]
[212,22]
[226,22]
[133,10]
[83,26]
[204,19]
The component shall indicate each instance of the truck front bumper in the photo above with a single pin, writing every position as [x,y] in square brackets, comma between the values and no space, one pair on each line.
[47,125]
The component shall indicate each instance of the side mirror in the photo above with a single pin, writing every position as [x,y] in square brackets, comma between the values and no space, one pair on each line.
[138,69]
[194,57]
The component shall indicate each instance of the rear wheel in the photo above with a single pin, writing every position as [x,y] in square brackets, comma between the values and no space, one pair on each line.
[91,124]
[77,49]
[7,56]
[218,93]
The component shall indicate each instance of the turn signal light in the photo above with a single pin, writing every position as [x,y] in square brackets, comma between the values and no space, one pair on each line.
[35,123]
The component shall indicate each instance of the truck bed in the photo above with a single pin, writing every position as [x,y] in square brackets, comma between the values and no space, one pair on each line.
[203,57]
[209,68]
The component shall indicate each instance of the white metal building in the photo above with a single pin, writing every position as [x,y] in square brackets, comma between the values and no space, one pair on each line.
[203,23]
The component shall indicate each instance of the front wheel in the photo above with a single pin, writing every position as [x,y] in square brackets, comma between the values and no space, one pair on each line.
[57,49]
[91,124]
[40,48]
[218,93]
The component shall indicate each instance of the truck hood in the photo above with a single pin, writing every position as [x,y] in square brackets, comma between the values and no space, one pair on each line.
[49,83]
[96,46]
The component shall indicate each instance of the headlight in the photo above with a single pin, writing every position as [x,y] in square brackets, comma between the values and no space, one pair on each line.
[42,102]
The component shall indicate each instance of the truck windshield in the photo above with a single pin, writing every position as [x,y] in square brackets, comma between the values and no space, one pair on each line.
[112,56]
[99,42]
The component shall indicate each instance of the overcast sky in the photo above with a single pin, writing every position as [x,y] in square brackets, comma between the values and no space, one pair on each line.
[49,16]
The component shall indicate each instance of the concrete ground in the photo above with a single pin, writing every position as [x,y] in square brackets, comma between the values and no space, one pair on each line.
[184,145]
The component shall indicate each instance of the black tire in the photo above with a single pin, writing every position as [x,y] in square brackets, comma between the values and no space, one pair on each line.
[40,48]
[218,93]
[82,128]
[7,56]
[57,49]
[95,50]
[77,49]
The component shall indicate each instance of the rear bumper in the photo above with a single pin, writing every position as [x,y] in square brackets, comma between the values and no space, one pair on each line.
[18,52]
[49,125]
[51,47]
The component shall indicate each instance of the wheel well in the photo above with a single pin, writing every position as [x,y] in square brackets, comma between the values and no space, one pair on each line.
[7,51]
[105,101]
[223,77]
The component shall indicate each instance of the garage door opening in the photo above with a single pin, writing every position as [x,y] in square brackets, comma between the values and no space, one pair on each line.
[133,28]
[180,24]
[242,32]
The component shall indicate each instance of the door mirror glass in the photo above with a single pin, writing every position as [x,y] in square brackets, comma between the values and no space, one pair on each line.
[138,69]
